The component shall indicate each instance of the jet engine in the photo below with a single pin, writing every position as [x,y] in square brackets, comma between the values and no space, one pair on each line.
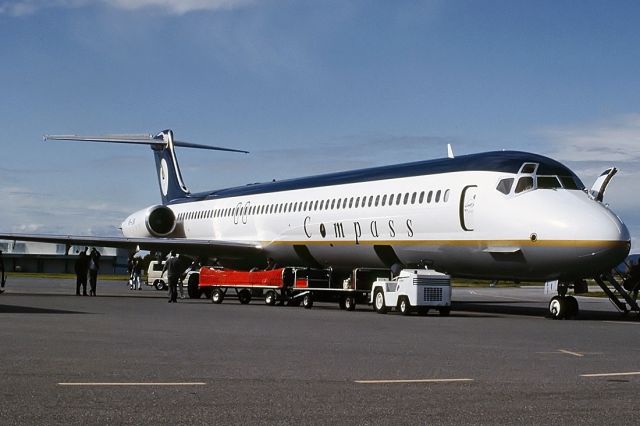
[154,221]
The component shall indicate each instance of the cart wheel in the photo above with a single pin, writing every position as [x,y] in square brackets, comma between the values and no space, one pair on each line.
[341,303]
[159,285]
[444,312]
[378,302]
[307,301]
[270,298]
[405,306]
[244,296]
[217,296]
[350,303]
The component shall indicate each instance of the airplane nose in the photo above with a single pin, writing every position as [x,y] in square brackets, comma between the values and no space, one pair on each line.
[609,244]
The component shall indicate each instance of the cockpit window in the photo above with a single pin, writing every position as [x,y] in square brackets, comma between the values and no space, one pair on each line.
[524,184]
[528,168]
[505,185]
[548,182]
[570,182]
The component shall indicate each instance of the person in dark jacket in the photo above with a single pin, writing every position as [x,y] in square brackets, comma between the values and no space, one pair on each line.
[80,267]
[173,269]
[94,267]
[3,277]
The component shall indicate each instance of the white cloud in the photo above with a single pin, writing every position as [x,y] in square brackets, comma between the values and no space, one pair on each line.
[179,7]
[616,139]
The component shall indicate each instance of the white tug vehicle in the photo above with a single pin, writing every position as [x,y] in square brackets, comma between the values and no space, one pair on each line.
[413,290]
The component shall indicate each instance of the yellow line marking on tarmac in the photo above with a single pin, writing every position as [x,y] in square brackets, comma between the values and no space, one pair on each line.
[570,353]
[133,384]
[631,373]
[384,382]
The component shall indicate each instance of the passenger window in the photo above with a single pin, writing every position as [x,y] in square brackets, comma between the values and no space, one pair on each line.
[413,197]
[321,204]
[524,184]
[357,202]
[438,196]
[505,185]
[391,199]
[406,198]
[398,199]
[384,200]
[446,196]
[377,200]
[421,199]
[351,202]
[315,205]
[429,196]
[548,182]
[370,200]
[339,202]
[333,203]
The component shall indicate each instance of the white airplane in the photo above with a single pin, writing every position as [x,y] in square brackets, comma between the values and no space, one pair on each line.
[498,215]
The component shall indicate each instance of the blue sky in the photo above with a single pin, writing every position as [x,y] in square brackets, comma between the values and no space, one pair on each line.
[307,87]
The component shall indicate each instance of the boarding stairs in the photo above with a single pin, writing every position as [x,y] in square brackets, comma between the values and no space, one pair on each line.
[621,290]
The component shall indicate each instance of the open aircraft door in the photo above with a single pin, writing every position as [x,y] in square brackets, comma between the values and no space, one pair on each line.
[597,190]
[467,207]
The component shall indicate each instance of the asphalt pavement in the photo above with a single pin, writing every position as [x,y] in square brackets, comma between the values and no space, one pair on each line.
[129,357]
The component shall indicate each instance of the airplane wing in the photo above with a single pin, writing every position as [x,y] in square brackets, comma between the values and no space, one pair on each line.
[180,245]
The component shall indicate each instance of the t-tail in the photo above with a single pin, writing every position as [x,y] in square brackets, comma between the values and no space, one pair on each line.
[172,186]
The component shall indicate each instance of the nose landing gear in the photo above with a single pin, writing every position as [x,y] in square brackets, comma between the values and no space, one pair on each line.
[563,307]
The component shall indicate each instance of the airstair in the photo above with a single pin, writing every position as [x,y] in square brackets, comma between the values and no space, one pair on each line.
[622,289]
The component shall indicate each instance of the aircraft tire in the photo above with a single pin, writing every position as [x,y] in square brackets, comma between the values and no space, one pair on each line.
[160,285]
[217,296]
[378,302]
[557,307]
[572,307]
[270,298]
[404,306]
[350,303]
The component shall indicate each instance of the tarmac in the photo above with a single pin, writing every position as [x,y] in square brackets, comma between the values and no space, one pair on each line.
[129,357]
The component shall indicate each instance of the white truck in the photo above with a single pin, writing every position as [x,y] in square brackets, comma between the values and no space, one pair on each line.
[413,290]
[155,277]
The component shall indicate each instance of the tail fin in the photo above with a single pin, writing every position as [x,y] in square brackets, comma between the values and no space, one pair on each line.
[172,186]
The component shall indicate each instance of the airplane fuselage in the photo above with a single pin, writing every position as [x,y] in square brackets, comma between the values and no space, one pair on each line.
[486,216]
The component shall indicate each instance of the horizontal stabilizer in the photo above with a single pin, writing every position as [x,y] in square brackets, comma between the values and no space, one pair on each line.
[141,139]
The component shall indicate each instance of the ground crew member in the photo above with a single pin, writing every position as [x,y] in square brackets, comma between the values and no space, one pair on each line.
[172,267]
[3,277]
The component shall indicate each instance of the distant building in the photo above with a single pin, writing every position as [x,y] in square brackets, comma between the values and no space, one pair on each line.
[52,258]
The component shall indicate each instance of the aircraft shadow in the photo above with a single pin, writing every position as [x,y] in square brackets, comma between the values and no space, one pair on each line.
[511,308]
[15,309]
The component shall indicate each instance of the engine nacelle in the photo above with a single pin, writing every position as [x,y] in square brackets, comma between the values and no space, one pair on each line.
[154,221]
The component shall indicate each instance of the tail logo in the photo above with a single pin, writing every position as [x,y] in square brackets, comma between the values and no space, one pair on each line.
[164,181]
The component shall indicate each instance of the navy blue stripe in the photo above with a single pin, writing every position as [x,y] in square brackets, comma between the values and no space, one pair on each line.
[496,161]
